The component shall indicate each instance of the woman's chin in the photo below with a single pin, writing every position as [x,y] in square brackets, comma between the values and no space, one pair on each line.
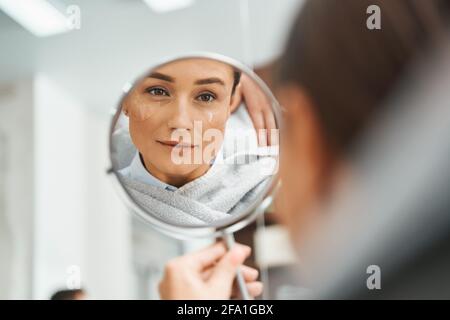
[183,171]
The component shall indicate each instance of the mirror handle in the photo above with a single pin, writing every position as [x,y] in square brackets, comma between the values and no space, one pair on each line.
[229,241]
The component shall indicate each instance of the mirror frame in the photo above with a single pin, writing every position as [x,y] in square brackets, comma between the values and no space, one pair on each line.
[231,225]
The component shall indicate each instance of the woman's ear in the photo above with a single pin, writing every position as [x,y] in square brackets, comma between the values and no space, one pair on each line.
[236,98]
[125,109]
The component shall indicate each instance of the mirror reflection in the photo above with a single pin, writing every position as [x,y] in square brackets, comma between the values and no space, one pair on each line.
[196,142]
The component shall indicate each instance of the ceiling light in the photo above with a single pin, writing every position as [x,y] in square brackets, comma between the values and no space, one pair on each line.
[37,16]
[162,6]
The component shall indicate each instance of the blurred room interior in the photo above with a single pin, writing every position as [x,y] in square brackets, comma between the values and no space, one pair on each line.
[63,225]
[60,216]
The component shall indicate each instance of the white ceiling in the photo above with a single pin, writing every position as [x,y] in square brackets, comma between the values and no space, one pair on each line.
[118,39]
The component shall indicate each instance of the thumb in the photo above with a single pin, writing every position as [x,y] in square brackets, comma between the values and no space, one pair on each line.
[225,270]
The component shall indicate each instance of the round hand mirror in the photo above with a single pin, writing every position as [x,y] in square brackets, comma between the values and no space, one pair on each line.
[194,146]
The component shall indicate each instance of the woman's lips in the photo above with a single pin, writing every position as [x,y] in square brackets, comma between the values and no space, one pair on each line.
[175,144]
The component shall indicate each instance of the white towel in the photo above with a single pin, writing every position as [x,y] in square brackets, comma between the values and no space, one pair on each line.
[229,187]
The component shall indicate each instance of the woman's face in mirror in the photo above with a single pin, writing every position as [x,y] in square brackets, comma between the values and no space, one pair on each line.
[185,146]
[177,116]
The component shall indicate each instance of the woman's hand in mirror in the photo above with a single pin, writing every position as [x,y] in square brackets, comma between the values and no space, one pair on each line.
[259,109]
[208,274]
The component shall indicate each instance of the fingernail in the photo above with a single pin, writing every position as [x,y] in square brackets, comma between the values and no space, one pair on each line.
[239,254]
[245,249]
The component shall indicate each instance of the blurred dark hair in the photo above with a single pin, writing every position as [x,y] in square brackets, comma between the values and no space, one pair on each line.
[236,80]
[67,294]
[348,70]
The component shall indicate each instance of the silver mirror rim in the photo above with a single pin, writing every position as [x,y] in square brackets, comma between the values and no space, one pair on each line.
[190,232]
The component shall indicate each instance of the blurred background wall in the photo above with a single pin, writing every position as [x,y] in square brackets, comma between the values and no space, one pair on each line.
[61,222]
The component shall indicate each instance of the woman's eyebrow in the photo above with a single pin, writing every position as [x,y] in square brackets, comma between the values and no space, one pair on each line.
[161,76]
[210,80]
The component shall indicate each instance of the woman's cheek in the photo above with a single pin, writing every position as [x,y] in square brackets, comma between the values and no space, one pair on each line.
[140,109]
[141,135]
[285,198]
[214,120]
[292,197]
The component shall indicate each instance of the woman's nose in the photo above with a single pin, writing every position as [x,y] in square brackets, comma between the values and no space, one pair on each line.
[180,117]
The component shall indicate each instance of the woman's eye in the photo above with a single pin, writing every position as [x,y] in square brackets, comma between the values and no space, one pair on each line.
[158,92]
[206,97]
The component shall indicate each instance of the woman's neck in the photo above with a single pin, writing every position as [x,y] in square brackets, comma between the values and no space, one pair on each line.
[175,180]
